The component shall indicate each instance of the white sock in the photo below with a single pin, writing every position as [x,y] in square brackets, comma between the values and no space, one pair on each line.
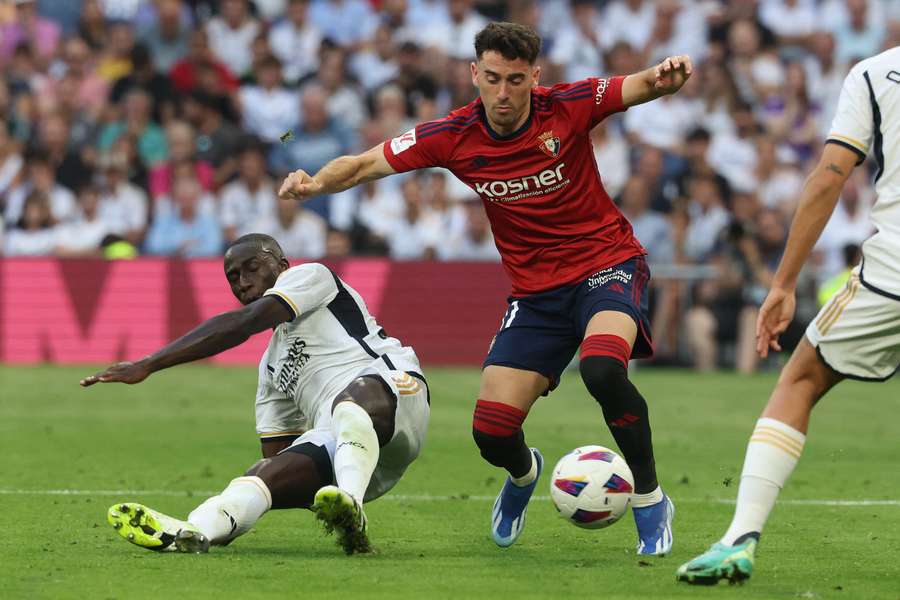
[356,453]
[233,512]
[648,499]
[772,454]
[529,477]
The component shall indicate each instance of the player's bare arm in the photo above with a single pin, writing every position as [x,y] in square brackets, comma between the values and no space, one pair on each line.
[817,201]
[215,335]
[665,78]
[340,174]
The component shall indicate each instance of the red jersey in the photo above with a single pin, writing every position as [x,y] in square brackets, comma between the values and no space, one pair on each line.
[553,222]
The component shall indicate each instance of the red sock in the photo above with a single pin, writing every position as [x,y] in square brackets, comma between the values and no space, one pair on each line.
[605,344]
[496,418]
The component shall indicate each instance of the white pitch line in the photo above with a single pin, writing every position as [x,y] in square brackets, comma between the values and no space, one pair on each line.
[415,497]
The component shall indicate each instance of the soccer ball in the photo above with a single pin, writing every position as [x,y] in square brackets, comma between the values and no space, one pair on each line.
[591,487]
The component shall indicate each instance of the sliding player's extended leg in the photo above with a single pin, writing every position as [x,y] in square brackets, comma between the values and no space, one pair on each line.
[288,480]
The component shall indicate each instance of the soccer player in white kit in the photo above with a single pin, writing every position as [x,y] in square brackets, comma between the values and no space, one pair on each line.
[856,334]
[330,371]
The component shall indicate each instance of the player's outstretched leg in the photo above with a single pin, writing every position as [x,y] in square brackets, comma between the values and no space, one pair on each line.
[147,528]
[772,453]
[604,360]
[362,421]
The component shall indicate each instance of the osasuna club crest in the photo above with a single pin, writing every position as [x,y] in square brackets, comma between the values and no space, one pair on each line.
[549,144]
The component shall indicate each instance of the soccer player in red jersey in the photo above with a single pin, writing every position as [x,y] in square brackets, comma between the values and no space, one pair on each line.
[579,275]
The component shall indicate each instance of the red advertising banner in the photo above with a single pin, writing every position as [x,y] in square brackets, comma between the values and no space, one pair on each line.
[95,311]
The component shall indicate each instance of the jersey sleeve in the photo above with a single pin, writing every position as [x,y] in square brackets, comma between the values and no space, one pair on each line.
[425,145]
[304,288]
[853,125]
[592,99]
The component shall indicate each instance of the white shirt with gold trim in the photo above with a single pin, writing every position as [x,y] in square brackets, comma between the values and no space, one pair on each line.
[868,120]
[330,340]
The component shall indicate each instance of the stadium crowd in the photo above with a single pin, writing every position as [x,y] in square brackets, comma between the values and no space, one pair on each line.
[164,127]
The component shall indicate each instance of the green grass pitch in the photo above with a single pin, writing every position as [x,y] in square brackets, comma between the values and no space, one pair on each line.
[190,430]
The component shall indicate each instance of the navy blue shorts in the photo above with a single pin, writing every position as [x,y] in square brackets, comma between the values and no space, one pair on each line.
[541,332]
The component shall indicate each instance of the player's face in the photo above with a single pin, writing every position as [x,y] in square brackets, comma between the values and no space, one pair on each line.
[250,272]
[505,89]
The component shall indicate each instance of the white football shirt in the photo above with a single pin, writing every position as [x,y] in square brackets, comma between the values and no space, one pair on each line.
[331,338]
[868,118]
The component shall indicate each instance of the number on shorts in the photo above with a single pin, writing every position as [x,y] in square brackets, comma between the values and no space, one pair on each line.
[513,309]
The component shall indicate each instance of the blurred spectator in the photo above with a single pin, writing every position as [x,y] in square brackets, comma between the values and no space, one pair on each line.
[376,65]
[34,233]
[792,21]
[475,242]
[39,180]
[182,228]
[318,140]
[852,255]
[417,84]
[734,154]
[231,35]
[269,108]
[115,60]
[78,67]
[200,69]
[218,139]
[300,232]
[858,36]
[11,162]
[53,142]
[144,76]
[83,235]
[136,121]
[92,24]
[29,28]
[455,37]
[409,239]
[578,48]
[707,216]
[181,142]
[251,197]
[849,224]
[345,103]
[123,205]
[825,77]
[295,41]
[778,181]
[167,38]
[346,22]
[337,244]
[650,227]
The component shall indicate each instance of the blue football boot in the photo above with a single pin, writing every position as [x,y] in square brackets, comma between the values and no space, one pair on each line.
[654,526]
[508,515]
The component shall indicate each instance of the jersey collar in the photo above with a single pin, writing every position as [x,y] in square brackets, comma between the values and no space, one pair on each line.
[514,134]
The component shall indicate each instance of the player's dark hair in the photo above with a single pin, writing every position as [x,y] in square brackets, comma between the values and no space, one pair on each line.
[263,242]
[511,40]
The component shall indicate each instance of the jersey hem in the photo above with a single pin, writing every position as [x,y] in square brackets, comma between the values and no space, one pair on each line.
[518,293]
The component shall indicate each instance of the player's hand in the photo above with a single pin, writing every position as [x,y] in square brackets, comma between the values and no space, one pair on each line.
[299,185]
[123,372]
[775,315]
[672,73]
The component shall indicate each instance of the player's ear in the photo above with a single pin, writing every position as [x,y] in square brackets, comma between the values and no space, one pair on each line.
[535,75]
[473,68]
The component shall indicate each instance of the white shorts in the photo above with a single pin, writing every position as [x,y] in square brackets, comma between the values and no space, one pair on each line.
[857,332]
[410,427]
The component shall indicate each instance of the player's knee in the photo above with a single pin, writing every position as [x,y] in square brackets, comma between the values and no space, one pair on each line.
[497,430]
[374,396]
[602,375]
